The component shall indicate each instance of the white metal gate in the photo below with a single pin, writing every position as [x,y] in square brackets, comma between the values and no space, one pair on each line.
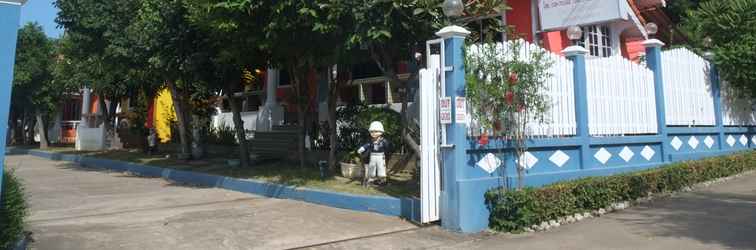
[431,87]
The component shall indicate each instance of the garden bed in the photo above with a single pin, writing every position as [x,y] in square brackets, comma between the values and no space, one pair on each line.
[279,172]
[518,210]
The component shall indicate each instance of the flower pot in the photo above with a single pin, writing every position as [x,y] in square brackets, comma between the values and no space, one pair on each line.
[351,170]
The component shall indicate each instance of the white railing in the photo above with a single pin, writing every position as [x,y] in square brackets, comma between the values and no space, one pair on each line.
[620,97]
[687,89]
[736,110]
[559,118]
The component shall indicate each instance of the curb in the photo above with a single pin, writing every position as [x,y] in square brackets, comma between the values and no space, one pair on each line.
[408,208]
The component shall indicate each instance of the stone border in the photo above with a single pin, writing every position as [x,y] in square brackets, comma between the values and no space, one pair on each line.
[551,224]
[408,208]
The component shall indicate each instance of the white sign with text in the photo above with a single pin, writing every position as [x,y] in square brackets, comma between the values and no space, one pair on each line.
[560,14]
[461,106]
[445,110]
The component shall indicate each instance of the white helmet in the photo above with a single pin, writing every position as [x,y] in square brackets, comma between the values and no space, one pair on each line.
[376,126]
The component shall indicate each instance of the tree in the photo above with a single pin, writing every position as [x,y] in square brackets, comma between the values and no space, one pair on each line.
[504,89]
[728,28]
[235,30]
[393,31]
[33,85]
[96,48]
[172,48]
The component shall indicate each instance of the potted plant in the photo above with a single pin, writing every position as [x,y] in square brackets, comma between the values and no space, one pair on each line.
[351,165]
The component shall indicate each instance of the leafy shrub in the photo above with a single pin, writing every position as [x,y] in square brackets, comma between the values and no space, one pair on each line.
[513,210]
[223,135]
[12,211]
[353,122]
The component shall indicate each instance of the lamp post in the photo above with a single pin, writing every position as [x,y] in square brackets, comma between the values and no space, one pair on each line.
[574,33]
[651,29]
[10,11]
[453,8]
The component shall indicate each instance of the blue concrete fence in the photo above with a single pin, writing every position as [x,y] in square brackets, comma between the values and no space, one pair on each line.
[559,159]
[10,12]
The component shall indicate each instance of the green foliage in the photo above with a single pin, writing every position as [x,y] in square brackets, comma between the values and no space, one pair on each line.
[731,26]
[98,49]
[13,210]
[354,120]
[223,135]
[504,84]
[33,83]
[677,10]
[513,210]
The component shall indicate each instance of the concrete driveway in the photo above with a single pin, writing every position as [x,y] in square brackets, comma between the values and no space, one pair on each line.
[78,208]
[75,208]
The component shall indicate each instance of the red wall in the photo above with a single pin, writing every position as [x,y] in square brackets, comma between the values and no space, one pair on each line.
[555,41]
[521,17]
[632,48]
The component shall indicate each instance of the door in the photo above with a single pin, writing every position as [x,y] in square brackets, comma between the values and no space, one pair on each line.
[430,180]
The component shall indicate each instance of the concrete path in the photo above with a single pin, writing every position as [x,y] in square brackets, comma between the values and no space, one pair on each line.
[722,216]
[75,208]
[78,208]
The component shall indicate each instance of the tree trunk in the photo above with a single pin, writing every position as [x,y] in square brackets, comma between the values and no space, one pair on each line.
[302,104]
[28,125]
[332,130]
[12,128]
[181,120]
[42,130]
[302,130]
[241,135]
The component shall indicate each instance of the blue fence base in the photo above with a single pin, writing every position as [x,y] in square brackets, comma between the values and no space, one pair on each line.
[408,208]
[555,162]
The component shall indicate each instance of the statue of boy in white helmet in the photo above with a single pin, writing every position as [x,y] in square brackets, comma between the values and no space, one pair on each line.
[377,148]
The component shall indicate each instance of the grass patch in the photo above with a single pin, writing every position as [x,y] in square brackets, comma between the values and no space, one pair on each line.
[280,172]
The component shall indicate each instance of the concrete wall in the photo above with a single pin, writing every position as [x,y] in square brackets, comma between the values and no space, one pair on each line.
[9,19]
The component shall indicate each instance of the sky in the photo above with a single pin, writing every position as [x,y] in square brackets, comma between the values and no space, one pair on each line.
[44,13]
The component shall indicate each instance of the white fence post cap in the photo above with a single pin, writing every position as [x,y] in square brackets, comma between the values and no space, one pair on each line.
[453,31]
[653,43]
[574,50]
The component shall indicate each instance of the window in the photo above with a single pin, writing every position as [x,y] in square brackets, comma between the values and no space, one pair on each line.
[283,78]
[72,110]
[597,39]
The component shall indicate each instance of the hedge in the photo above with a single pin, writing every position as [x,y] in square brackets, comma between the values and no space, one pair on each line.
[513,210]
[13,210]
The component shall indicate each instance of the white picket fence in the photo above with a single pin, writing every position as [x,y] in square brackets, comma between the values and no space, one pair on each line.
[687,89]
[620,97]
[736,110]
[559,118]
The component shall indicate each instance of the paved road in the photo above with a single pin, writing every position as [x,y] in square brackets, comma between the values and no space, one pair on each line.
[78,208]
[75,208]
[722,216]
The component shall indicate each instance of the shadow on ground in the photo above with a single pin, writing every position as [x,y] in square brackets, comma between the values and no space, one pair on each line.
[707,216]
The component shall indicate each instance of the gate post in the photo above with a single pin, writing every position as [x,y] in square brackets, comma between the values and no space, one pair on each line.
[10,11]
[716,91]
[654,63]
[576,54]
[453,155]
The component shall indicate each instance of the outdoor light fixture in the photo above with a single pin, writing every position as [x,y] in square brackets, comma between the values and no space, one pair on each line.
[453,8]
[652,29]
[574,33]
[707,42]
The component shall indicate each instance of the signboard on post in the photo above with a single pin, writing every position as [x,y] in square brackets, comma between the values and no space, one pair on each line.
[445,110]
[461,106]
[560,14]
